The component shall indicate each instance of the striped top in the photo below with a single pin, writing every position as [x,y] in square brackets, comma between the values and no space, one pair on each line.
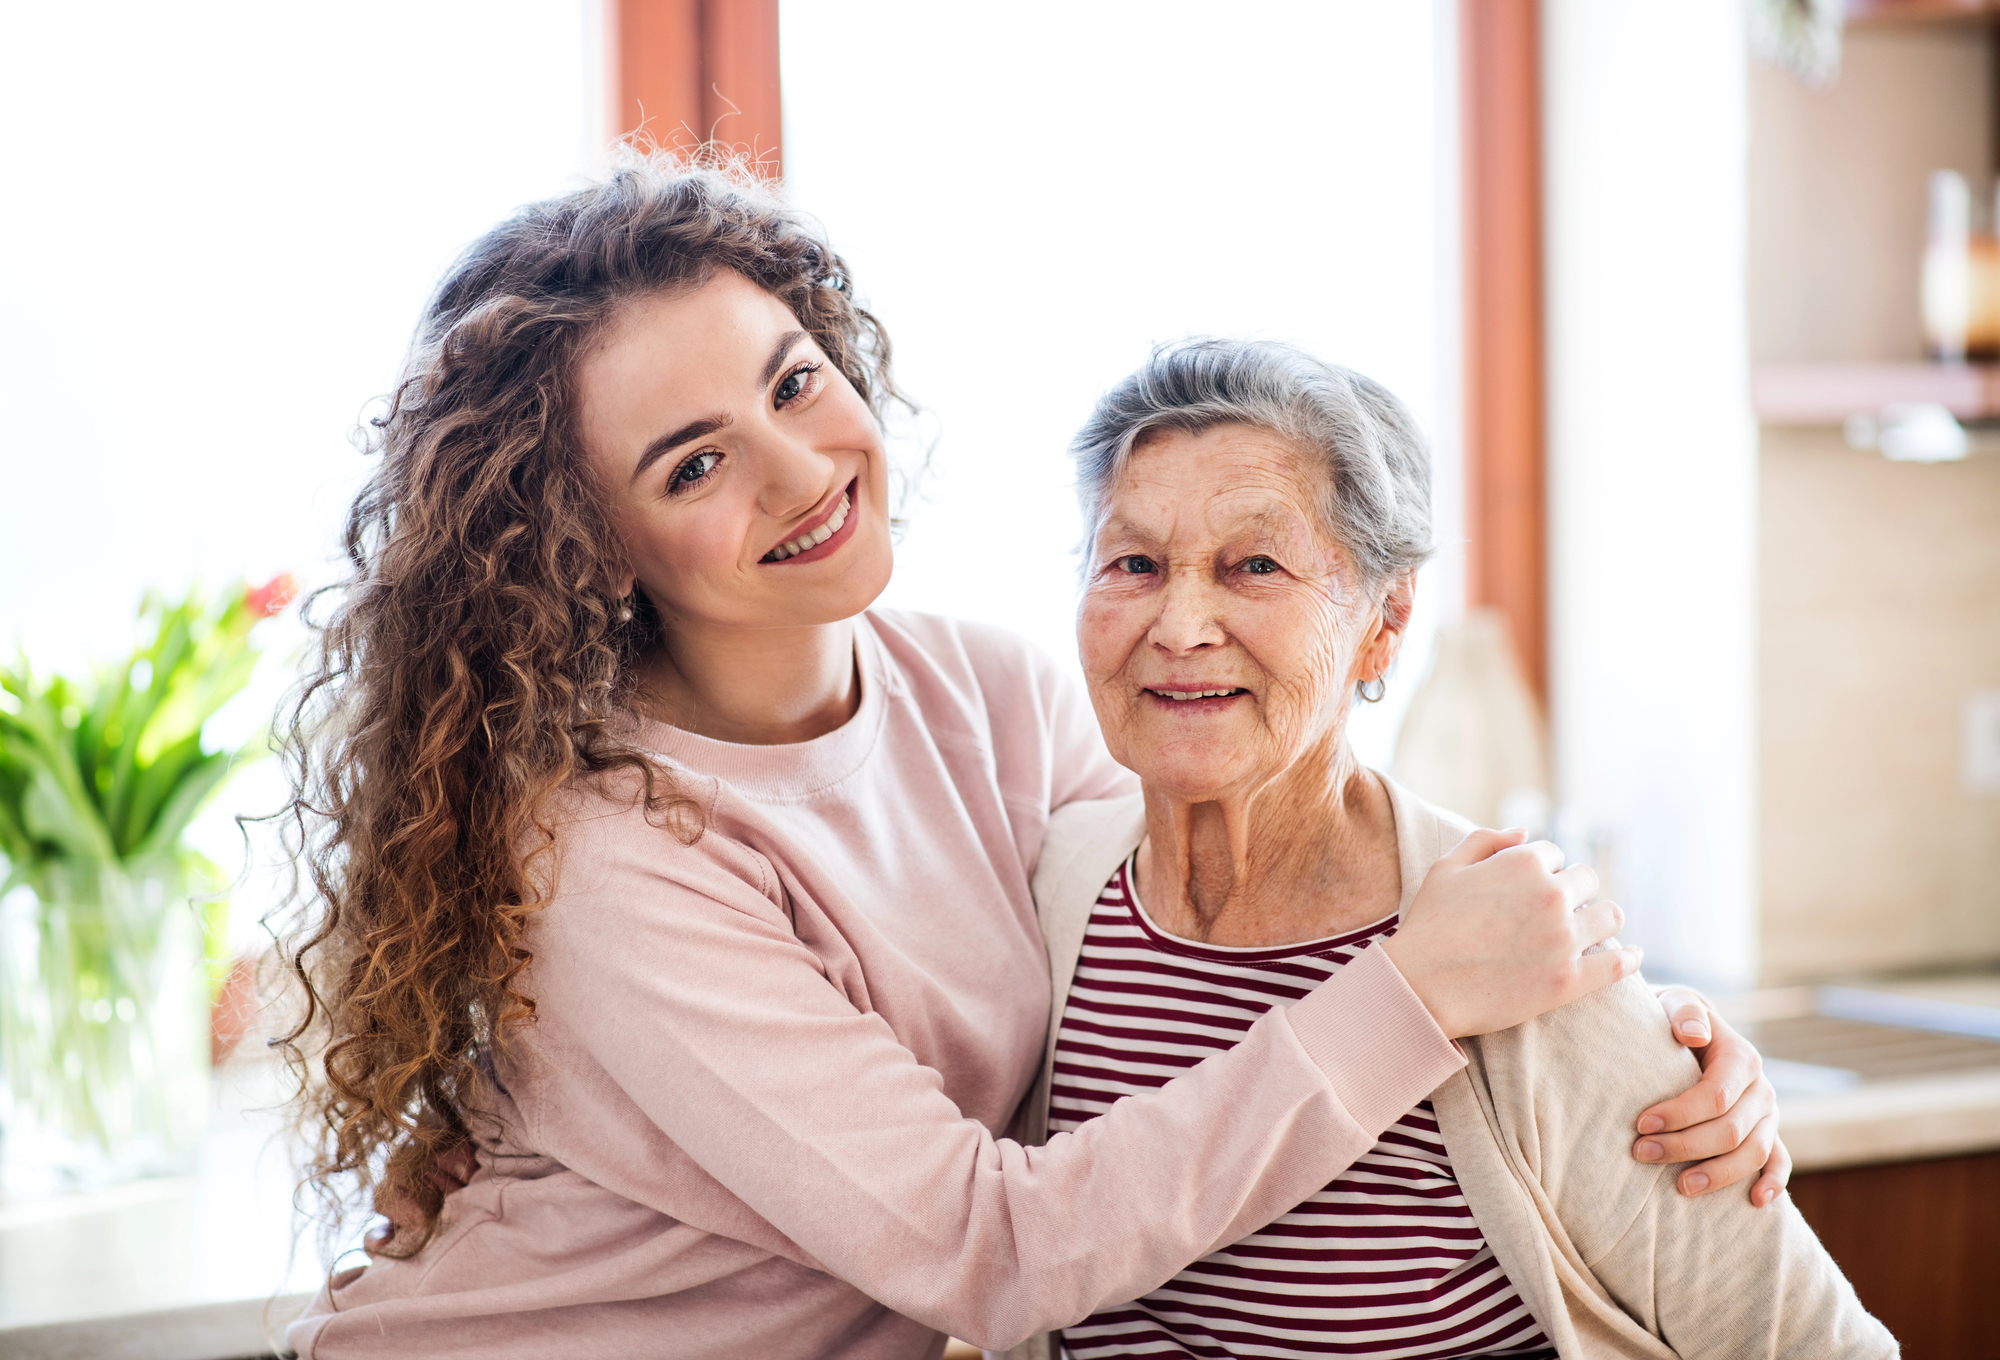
[1385,1262]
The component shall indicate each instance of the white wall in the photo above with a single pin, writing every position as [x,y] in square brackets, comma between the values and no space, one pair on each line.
[222,219]
[1032,194]
[1652,461]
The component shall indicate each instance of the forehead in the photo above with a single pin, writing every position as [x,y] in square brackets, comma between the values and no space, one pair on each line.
[711,321]
[1223,479]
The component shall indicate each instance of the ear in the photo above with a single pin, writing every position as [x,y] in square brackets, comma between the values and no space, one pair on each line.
[1392,618]
[622,587]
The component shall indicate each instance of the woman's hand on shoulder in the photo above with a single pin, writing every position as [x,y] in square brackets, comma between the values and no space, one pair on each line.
[1500,932]
[1726,1123]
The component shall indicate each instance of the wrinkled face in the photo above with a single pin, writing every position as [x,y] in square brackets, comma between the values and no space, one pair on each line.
[1222,632]
[746,475]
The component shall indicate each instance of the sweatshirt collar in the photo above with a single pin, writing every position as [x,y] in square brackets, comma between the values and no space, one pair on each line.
[795,770]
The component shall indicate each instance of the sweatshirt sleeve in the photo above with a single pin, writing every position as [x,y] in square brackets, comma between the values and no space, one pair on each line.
[1081,766]
[1047,745]
[693,994]
[1708,1276]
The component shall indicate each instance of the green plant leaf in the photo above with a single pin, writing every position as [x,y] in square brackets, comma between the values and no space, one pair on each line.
[57,815]
[149,788]
[165,654]
[114,767]
[15,843]
[200,781]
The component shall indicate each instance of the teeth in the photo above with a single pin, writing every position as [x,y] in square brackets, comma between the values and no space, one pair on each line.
[1181,696]
[793,547]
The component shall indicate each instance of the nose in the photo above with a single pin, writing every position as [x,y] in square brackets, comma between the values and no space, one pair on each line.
[796,475]
[1189,617]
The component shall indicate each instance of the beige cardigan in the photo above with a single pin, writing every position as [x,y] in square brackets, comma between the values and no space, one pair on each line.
[1611,1260]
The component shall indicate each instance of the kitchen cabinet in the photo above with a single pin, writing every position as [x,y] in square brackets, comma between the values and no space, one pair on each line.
[1889,1099]
[1921,1242]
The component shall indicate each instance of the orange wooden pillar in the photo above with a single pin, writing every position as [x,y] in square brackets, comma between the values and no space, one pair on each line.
[686,71]
[1501,203]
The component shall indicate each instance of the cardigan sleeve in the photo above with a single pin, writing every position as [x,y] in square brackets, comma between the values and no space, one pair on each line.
[1709,1277]
[690,991]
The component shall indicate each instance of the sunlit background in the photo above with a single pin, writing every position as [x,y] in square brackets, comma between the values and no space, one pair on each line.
[1764,697]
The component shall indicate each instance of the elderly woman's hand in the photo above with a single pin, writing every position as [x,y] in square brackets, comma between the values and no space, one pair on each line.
[1498,935]
[1726,1123]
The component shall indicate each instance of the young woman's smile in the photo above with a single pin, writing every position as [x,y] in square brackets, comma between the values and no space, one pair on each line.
[824,535]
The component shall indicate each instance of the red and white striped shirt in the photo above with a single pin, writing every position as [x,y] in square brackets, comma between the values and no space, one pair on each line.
[1385,1262]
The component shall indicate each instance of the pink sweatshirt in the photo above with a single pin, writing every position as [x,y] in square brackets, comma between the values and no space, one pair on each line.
[760,1110]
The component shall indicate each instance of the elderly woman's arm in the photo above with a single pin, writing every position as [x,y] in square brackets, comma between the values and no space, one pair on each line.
[1602,1249]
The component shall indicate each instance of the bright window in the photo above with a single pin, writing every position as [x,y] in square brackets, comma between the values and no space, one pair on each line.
[1033,194]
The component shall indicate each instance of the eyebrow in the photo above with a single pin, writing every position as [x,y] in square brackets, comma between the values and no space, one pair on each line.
[777,359]
[707,425]
[667,443]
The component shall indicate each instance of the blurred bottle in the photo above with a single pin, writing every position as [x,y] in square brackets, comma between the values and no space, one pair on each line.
[1961,275]
[1473,739]
[1948,267]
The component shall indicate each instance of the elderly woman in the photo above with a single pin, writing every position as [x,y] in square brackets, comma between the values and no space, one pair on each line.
[1255,518]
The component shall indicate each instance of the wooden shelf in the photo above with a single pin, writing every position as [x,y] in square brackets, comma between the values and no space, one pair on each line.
[1827,394]
[1919,11]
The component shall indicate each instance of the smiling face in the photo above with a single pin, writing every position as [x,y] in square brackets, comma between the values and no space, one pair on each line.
[1222,632]
[746,476]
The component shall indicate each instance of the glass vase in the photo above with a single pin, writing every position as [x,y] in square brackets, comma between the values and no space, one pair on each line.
[104,1018]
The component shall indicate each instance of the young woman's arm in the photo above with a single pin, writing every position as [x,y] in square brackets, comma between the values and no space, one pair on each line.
[1724,1128]
[692,997]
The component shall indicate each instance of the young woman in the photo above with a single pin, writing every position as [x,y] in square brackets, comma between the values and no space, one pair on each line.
[691,896]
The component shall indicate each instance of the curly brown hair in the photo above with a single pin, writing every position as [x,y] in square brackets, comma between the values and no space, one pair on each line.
[473,664]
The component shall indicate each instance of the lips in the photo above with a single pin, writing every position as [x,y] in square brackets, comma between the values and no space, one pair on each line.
[1189,699]
[821,536]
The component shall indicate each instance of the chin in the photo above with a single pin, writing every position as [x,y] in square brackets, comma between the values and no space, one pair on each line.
[870,574]
[863,578]
[1186,782]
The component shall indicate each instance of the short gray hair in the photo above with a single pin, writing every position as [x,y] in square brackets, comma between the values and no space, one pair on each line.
[1377,500]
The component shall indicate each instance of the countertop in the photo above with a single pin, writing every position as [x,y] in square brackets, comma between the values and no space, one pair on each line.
[1881,1071]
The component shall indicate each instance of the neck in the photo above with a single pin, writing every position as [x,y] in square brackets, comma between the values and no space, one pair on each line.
[759,687]
[1308,854]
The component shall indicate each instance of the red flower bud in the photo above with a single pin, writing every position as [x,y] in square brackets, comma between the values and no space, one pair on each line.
[272,596]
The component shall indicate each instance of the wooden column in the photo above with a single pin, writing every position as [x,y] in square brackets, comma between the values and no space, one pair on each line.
[687,71]
[1501,203]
